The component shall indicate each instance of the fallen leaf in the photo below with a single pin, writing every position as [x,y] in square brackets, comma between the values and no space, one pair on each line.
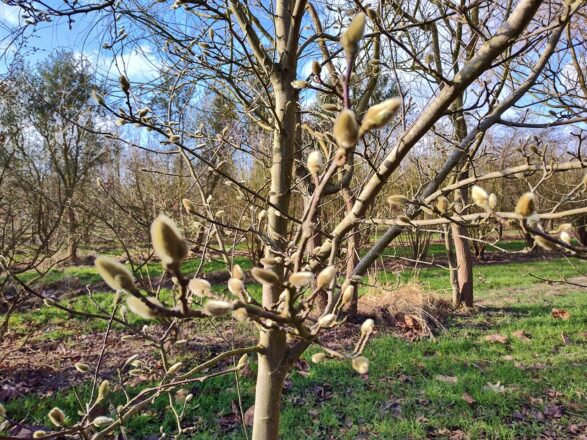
[495,387]
[446,379]
[497,338]
[508,357]
[249,416]
[522,335]
[554,411]
[565,338]
[560,314]
[468,398]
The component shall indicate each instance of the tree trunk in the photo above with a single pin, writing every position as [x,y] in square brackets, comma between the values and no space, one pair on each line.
[464,265]
[72,239]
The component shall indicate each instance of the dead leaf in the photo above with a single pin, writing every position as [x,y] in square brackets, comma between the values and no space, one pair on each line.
[560,314]
[446,379]
[497,338]
[468,398]
[565,338]
[522,335]
[249,416]
[553,411]
[495,387]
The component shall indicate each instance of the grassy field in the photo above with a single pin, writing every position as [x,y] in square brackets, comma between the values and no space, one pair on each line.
[455,385]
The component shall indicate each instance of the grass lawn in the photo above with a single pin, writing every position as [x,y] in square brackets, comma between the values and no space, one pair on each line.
[456,384]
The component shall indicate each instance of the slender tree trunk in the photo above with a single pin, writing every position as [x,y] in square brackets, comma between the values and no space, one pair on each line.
[464,265]
[72,239]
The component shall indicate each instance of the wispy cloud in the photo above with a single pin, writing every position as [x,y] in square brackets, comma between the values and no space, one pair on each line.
[9,14]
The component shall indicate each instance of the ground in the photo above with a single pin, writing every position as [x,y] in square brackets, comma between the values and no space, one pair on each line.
[510,368]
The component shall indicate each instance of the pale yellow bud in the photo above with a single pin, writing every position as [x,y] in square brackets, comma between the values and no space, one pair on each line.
[347,294]
[236,287]
[315,162]
[215,307]
[442,204]
[492,201]
[138,307]
[544,243]
[124,84]
[200,287]
[189,206]
[346,130]
[143,112]
[101,421]
[82,368]
[39,434]
[351,38]
[330,107]
[57,417]
[301,279]
[240,314]
[264,276]
[300,84]
[168,242]
[327,320]
[116,275]
[49,302]
[380,115]
[325,277]
[174,368]
[237,272]
[480,196]
[566,237]
[242,362]
[262,215]
[367,326]
[271,261]
[526,205]
[319,357]
[361,365]
[97,97]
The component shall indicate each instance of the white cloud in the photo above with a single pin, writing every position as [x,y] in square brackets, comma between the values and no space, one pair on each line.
[9,14]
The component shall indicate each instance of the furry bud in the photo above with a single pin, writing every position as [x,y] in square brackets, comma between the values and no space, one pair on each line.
[240,314]
[325,277]
[264,276]
[316,68]
[351,38]
[380,115]
[116,275]
[442,204]
[315,162]
[217,307]
[565,237]
[237,272]
[39,434]
[97,97]
[138,307]
[347,294]
[327,320]
[361,365]
[330,107]
[82,368]
[492,201]
[480,196]
[102,421]
[544,243]
[57,417]
[189,206]
[49,302]
[301,279]
[236,287]
[367,326]
[526,205]
[174,368]
[168,242]
[398,200]
[346,129]
[200,287]
[124,84]
[300,84]
[319,357]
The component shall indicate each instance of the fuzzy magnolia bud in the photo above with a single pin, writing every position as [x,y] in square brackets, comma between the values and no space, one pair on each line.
[200,287]
[347,294]
[301,279]
[544,243]
[57,417]
[398,200]
[167,241]
[526,205]
[442,204]
[138,307]
[300,84]
[367,326]
[124,84]
[102,421]
[237,272]
[480,196]
[318,357]
[325,277]
[116,275]
[361,365]
[566,237]
[174,368]
[217,307]
[351,38]
[39,434]
[189,206]
[242,362]
[49,302]
[346,130]
[330,107]
[97,97]
[82,368]
[315,162]
[264,276]
[316,68]
[327,320]
[236,287]
[240,314]
[380,115]
[492,201]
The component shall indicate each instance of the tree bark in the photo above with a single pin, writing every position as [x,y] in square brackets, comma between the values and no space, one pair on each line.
[72,239]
